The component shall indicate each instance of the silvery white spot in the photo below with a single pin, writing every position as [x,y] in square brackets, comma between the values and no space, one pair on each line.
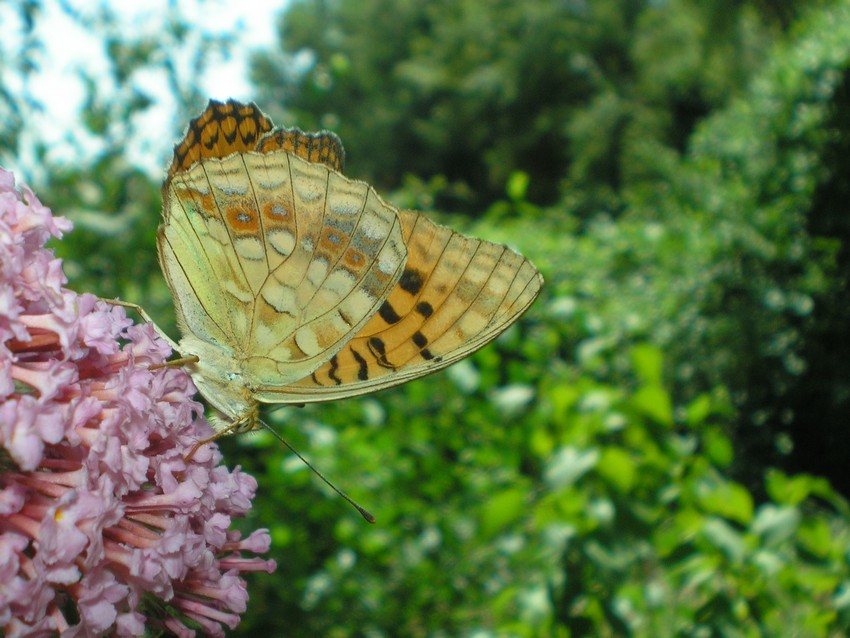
[281,298]
[241,294]
[317,271]
[340,281]
[512,398]
[568,464]
[305,338]
[345,207]
[357,304]
[373,225]
[282,241]
[249,248]
[389,260]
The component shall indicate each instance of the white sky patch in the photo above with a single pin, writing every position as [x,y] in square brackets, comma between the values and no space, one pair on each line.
[70,49]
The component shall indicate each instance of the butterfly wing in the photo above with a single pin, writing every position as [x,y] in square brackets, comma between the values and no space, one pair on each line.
[293,283]
[231,127]
[455,295]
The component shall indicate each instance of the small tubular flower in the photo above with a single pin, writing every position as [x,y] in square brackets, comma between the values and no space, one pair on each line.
[105,528]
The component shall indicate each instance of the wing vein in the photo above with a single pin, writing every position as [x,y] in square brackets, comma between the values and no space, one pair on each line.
[347,243]
[353,290]
[262,228]
[223,218]
[194,290]
[443,302]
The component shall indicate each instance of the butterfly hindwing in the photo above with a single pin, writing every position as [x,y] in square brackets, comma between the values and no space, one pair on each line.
[302,257]
[346,257]
[222,129]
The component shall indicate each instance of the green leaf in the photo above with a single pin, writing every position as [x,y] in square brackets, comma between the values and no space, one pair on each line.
[776,524]
[654,402]
[647,361]
[502,509]
[726,499]
[726,538]
[718,448]
[815,536]
[517,185]
[697,411]
[617,466]
[788,490]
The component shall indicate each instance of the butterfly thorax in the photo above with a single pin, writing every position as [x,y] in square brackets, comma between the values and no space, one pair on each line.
[218,376]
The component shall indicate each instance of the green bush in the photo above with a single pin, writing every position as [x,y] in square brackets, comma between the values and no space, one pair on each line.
[557,505]
[478,90]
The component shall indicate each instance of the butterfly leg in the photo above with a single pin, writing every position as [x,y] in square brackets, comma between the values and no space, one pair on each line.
[244,423]
[144,315]
[175,363]
[201,443]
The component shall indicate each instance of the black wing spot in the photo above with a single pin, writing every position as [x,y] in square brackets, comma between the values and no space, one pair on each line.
[379,349]
[332,372]
[377,345]
[421,341]
[411,281]
[231,137]
[425,309]
[363,372]
[345,318]
[388,313]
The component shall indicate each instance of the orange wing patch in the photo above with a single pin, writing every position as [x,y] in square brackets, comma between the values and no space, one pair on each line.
[323,147]
[456,294]
[225,128]
[221,130]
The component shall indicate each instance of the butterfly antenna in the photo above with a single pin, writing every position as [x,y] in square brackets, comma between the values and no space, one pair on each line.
[363,512]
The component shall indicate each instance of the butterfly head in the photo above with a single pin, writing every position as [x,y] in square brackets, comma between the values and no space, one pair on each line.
[218,376]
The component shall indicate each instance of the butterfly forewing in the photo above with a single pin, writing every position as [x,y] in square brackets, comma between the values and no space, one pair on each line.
[456,294]
[191,246]
[318,148]
[293,283]
[221,130]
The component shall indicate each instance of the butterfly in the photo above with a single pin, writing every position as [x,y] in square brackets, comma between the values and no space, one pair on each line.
[294,284]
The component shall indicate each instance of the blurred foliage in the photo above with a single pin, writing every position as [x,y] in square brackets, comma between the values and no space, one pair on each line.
[659,447]
[112,202]
[564,506]
[478,90]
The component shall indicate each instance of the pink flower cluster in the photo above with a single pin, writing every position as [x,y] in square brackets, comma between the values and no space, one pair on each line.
[105,528]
